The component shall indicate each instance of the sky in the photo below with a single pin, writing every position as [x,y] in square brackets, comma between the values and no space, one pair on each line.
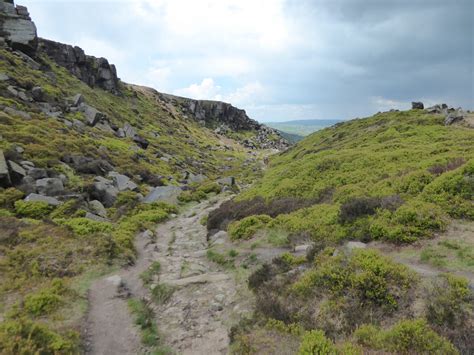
[280,59]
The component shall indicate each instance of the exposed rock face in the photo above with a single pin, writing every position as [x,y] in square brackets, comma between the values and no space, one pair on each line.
[417,106]
[91,70]
[16,27]
[227,117]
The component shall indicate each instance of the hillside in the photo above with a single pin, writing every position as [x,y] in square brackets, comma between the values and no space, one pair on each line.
[134,221]
[87,162]
[341,199]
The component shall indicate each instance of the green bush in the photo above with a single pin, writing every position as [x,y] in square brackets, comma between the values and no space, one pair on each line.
[85,226]
[247,227]
[405,337]
[26,337]
[315,342]
[46,300]
[9,196]
[32,209]
[365,275]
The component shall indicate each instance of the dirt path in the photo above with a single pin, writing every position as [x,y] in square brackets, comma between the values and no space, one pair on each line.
[205,302]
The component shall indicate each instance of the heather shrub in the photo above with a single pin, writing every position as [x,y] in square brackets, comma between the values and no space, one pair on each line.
[32,209]
[246,228]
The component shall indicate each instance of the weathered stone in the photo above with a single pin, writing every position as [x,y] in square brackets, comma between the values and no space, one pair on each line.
[87,165]
[129,131]
[122,182]
[98,208]
[104,125]
[50,186]
[49,200]
[453,117]
[104,191]
[76,100]
[12,90]
[18,29]
[142,142]
[4,77]
[92,114]
[22,96]
[95,217]
[38,173]
[163,193]
[13,112]
[17,173]
[350,246]
[120,133]
[4,173]
[37,93]
[417,106]
[27,185]
[199,178]
[227,181]
[91,70]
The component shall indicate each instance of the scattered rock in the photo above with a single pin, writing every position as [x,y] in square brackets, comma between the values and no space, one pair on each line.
[50,186]
[104,191]
[37,93]
[13,112]
[37,173]
[129,131]
[49,200]
[417,106]
[227,181]
[142,142]
[4,77]
[454,117]
[92,114]
[163,193]
[95,217]
[4,173]
[17,172]
[98,208]
[87,165]
[76,100]
[122,182]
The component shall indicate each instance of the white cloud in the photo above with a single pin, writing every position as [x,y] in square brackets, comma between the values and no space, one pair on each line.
[206,90]
[383,104]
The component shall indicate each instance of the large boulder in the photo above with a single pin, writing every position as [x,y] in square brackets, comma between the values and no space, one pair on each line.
[163,194]
[454,117]
[40,198]
[17,29]
[97,208]
[104,191]
[4,173]
[93,116]
[50,186]
[122,182]
[17,172]
[88,165]
[417,106]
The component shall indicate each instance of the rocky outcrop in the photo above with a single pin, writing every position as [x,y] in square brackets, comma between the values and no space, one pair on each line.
[95,72]
[16,28]
[224,118]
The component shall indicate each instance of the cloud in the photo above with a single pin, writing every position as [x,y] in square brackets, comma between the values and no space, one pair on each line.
[205,90]
[284,59]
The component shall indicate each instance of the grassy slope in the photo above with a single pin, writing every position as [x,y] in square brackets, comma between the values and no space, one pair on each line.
[397,177]
[46,262]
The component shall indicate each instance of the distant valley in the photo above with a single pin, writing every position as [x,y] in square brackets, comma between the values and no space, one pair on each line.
[294,131]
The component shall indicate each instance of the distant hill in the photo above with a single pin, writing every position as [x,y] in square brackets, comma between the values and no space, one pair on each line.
[291,137]
[302,127]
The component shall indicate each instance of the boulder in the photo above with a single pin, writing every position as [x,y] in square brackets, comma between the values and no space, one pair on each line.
[4,173]
[95,217]
[454,117]
[17,28]
[104,191]
[142,142]
[18,113]
[120,133]
[4,77]
[129,131]
[17,172]
[163,194]
[76,100]
[50,186]
[417,106]
[199,178]
[87,165]
[92,114]
[227,181]
[350,246]
[97,208]
[28,185]
[37,173]
[122,182]
[37,93]
[49,200]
